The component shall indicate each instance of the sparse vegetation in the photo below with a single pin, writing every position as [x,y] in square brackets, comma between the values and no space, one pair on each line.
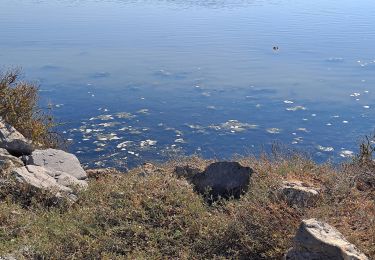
[19,107]
[160,216]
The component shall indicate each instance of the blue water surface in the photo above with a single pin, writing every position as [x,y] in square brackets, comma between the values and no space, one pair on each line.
[143,80]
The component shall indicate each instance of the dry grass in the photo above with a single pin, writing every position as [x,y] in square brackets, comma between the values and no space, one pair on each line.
[132,216]
[19,107]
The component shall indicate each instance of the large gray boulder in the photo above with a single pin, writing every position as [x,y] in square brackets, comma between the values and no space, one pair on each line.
[223,179]
[57,160]
[63,178]
[60,184]
[37,177]
[13,141]
[317,240]
[297,193]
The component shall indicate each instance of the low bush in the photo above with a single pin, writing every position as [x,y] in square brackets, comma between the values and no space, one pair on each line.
[19,107]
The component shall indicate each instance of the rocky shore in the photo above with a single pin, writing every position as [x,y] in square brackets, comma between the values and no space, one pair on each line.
[30,173]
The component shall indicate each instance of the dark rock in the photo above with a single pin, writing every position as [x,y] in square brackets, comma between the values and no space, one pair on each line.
[223,179]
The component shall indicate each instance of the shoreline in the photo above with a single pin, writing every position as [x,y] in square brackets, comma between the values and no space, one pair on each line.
[260,208]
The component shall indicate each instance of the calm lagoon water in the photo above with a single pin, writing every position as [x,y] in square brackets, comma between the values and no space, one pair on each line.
[149,79]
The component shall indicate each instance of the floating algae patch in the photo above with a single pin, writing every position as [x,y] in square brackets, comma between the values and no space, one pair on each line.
[335,59]
[148,143]
[297,140]
[346,153]
[125,144]
[233,126]
[302,129]
[273,130]
[143,111]
[124,115]
[296,108]
[108,124]
[102,117]
[197,129]
[107,137]
[180,140]
[325,148]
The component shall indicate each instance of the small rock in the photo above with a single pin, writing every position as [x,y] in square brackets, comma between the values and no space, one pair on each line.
[57,160]
[317,240]
[149,168]
[13,141]
[223,179]
[297,193]
[8,257]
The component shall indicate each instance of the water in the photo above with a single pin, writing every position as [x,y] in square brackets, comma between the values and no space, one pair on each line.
[148,79]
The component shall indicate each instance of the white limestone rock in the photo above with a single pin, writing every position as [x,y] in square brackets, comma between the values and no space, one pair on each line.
[57,160]
[316,240]
[13,141]
[297,193]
